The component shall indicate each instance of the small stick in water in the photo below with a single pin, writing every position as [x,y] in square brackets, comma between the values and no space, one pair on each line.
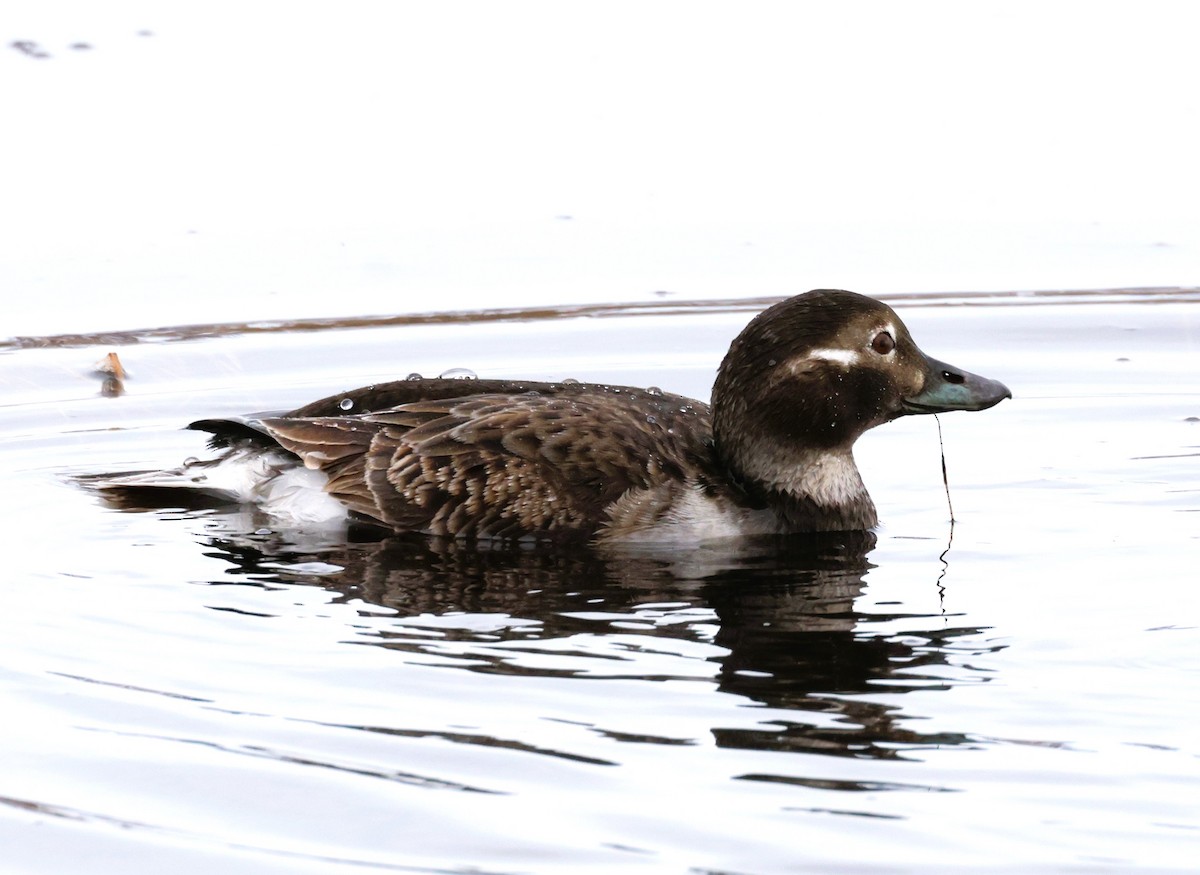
[113,372]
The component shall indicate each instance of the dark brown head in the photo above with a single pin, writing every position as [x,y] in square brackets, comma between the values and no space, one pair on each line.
[809,375]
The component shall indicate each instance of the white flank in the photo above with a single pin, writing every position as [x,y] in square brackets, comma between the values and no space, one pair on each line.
[274,481]
[298,495]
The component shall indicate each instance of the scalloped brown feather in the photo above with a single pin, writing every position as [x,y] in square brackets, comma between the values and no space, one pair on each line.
[551,462]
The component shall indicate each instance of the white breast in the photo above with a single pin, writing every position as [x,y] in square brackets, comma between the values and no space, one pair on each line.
[695,517]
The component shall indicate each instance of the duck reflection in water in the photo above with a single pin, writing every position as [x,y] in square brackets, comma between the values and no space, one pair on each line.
[784,611]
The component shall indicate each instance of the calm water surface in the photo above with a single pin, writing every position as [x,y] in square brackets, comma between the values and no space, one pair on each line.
[197,692]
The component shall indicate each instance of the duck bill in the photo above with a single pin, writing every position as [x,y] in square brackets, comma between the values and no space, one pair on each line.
[950,388]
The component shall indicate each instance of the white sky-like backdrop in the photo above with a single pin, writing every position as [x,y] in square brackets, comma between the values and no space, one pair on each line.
[233,161]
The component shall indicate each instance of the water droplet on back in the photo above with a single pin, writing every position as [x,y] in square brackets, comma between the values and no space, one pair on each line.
[414,376]
[653,390]
[459,374]
[570,381]
[346,403]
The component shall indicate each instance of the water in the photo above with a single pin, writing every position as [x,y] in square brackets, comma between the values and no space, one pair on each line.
[194,691]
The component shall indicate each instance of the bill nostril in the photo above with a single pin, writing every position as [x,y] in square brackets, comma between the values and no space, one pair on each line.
[951,377]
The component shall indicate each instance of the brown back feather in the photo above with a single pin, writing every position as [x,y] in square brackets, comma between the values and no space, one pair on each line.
[504,465]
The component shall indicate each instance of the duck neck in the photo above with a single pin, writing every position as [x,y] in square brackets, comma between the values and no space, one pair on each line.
[809,490]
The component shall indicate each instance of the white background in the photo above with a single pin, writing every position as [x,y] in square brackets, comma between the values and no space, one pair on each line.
[227,161]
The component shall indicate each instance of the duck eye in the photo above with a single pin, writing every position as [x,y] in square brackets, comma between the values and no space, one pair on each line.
[883,343]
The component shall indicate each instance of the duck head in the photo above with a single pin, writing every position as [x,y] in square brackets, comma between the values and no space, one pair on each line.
[809,375]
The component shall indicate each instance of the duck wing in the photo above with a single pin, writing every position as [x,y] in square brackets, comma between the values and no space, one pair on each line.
[548,460]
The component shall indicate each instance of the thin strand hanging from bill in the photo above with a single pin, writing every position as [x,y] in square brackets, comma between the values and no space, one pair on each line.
[950,538]
[945,477]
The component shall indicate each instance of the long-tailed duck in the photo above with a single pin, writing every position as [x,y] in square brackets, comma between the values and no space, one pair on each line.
[773,454]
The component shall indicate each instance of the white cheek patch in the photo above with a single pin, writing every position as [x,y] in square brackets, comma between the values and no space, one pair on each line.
[847,357]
